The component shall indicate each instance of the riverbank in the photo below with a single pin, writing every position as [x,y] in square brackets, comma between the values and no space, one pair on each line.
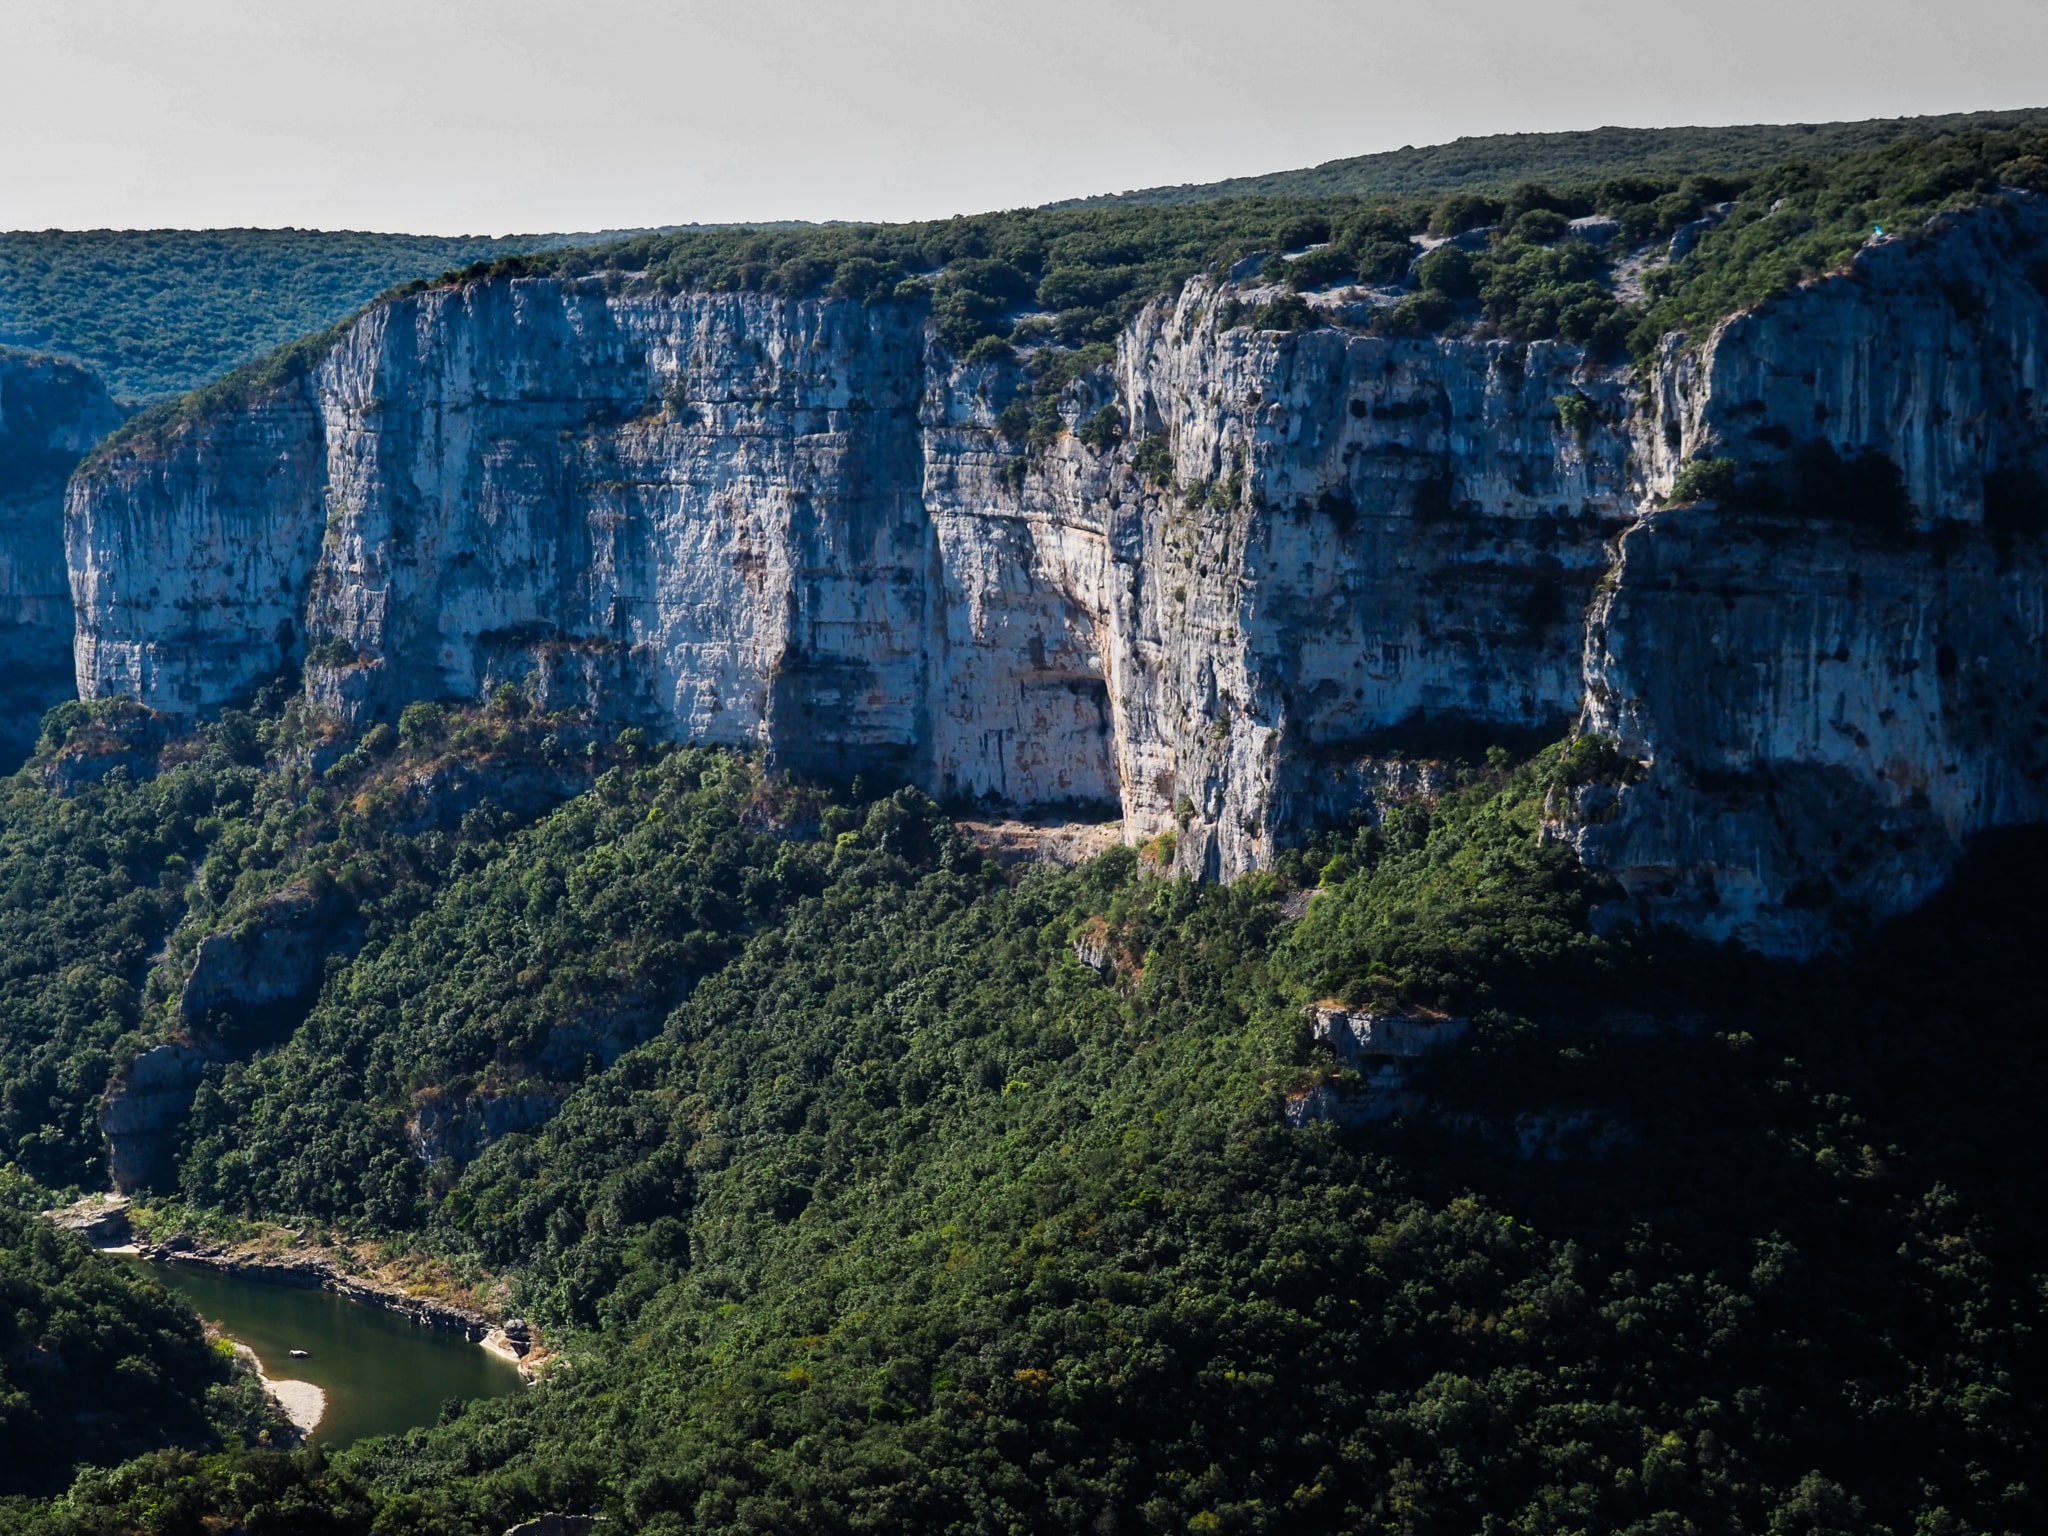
[303,1403]
[357,1271]
[522,1349]
[378,1371]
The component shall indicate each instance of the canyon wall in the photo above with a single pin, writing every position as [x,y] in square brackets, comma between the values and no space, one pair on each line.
[1838,677]
[50,413]
[797,524]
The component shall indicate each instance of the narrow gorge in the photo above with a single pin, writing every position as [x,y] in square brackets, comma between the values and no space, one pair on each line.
[1356,851]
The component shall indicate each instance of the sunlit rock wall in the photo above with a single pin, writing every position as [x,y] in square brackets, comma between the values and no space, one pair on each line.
[797,524]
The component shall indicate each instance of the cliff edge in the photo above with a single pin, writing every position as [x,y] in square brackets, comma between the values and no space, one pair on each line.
[1241,572]
[51,413]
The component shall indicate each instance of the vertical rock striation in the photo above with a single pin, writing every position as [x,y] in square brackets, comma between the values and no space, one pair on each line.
[797,524]
[1371,544]
[1838,678]
[145,1108]
[51,413]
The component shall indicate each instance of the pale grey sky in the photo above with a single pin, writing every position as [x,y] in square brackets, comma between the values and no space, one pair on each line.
[496,116]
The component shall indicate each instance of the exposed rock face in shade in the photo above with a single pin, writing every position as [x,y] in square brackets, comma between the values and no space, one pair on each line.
[1839,679]
[219,538]
[274,956]
[144,1109]
[51,413]
[738,518]
[442,1126]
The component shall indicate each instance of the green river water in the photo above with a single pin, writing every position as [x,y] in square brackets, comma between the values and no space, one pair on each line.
[380,1372]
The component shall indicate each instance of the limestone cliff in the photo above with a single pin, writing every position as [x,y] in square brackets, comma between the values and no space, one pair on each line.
[50,414]
[145,1108]
[1838,678]
[273,957]
[738,518]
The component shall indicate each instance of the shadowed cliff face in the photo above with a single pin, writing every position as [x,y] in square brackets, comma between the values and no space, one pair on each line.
[50,414]
[796,524]
[1839,677]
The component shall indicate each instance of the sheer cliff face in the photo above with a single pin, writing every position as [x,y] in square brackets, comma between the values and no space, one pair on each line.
[1825,715]
[50,414]
[1838,679]
[742,519]
[1371,544]
[189,568]
[701,514]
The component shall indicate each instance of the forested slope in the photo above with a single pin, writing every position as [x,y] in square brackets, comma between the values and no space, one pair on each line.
[1496,162]
[909,1218]
[98,1362]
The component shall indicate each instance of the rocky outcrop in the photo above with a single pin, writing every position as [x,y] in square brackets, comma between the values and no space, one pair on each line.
[443,1126]
[1382,1055]
[553,1524]
[100,1219]
[442,793]
[1380,1052]
[274,956]
[120,737]
[1831,683]
[51,413]
[603,1034]
[1288,559]
[1363,1038]
[144,1109]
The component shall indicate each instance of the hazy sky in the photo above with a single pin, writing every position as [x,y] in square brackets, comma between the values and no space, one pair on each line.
[460,116]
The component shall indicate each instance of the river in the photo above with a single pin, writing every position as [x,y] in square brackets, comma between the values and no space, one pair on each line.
[380,1372]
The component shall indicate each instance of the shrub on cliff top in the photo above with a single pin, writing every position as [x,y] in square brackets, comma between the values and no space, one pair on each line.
[1089,268]
[1798,220]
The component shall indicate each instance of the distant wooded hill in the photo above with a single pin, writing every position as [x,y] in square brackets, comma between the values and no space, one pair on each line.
[159,312]
[1498,161]
[156,312]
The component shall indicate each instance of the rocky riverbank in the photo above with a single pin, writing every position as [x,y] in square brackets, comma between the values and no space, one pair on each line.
[512,1340]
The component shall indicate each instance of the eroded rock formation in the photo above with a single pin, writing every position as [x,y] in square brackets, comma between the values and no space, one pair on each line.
[145,1108]
[51,413]
[273,957]
[737,518]
[445,1126]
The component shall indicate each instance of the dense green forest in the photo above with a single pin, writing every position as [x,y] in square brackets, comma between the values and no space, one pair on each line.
[98,1362]
[156,312]
[903,1217]
[109,888]
[1495,163]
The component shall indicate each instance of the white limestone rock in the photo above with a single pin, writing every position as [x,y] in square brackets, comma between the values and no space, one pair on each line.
[793,524]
